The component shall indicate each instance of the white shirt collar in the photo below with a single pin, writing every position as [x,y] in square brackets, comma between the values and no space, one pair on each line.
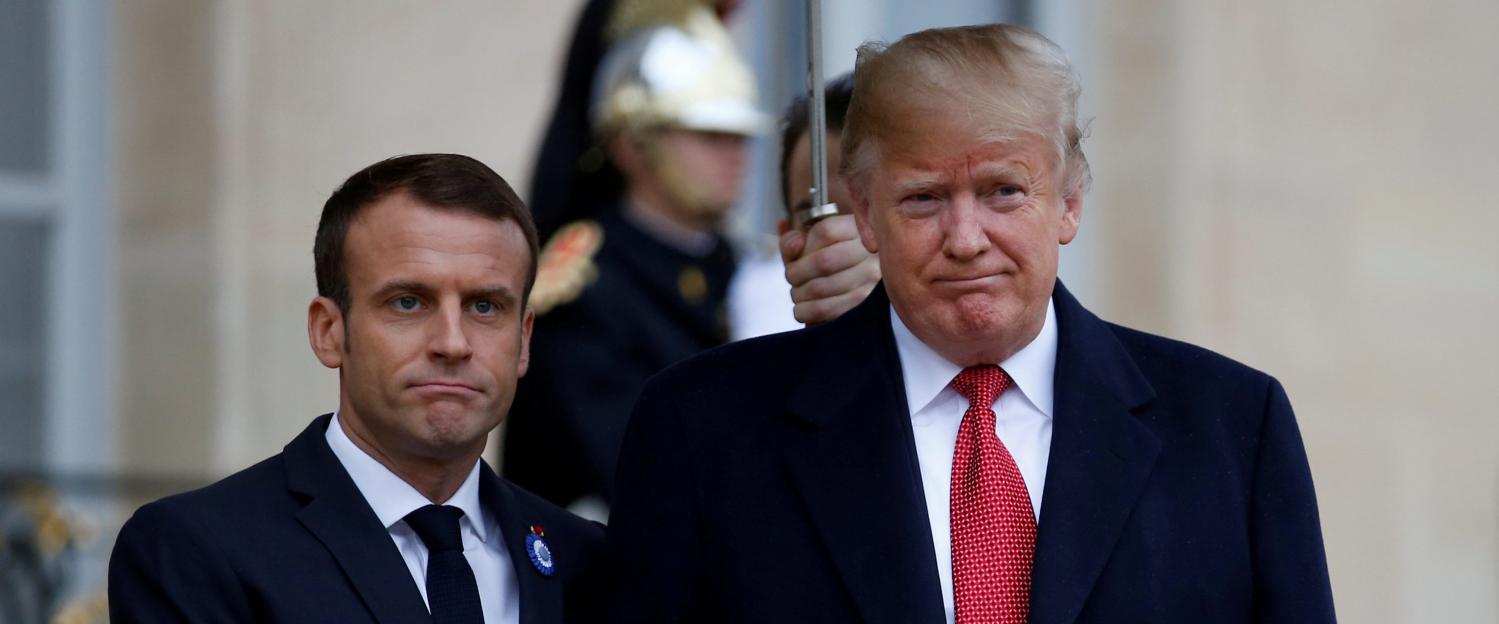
[927,373]
[393,498]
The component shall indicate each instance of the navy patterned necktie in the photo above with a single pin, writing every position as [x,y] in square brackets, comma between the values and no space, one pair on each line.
[452,592]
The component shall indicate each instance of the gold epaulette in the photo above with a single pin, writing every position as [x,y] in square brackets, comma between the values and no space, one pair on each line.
[566,267]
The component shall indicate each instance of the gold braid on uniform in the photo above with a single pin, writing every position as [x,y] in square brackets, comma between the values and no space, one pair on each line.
[565,266]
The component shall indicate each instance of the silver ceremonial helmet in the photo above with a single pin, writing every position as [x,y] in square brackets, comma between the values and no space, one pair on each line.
[685,74]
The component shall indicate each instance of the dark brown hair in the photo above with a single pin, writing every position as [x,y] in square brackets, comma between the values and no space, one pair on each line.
[836,96]
[447,181]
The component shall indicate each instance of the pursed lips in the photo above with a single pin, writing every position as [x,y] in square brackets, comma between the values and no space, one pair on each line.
[967,280]
[456,387]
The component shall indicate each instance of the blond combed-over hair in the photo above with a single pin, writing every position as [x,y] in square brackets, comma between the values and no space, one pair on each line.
[1013,81]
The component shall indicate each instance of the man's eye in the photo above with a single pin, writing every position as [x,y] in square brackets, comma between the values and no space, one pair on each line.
[1008,190]
[485,307]
[921,201]
[407,303]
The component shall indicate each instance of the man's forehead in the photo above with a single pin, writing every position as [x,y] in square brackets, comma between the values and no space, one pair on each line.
[976,156]
[400,220]
[391,239]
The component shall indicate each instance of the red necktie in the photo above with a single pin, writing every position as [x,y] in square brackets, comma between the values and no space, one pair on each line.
[993,526]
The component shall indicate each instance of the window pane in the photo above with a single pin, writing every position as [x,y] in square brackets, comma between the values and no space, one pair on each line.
[23,340]
[25,77]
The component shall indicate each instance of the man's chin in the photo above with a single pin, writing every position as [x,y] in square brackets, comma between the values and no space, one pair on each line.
[456,430]
[979,313]
[972,322]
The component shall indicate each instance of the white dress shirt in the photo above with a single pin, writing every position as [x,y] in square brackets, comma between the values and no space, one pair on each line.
[759,301]
[1023,424]
[392,498]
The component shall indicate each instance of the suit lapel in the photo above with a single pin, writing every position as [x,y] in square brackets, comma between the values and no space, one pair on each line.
[1100,459]
[852,458]
[540,596]
[337,514]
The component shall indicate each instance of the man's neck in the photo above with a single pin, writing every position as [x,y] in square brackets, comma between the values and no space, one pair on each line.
[649,196]
[435,479]
[645,211]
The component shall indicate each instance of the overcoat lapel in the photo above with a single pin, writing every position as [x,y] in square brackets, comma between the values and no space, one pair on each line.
[854,463]
[337,514]
[1100,459]
[540,595]
[852,457]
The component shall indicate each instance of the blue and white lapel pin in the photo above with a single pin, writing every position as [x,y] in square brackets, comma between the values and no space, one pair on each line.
[539,552]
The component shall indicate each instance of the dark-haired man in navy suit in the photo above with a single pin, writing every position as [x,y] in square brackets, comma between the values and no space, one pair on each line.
[383,510]
[969,444]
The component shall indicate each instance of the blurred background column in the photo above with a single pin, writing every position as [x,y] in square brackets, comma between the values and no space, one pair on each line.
[58,403]
[1310,187]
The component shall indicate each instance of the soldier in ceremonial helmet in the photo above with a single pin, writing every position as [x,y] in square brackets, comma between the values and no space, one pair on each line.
[643,284]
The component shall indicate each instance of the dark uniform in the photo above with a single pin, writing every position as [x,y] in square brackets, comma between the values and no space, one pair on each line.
[650,306]
[571,176]
[616,303]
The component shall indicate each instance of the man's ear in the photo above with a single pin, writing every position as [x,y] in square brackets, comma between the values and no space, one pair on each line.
[1072,214]
[627,152]
[857,194]
[325,331]
[527,319]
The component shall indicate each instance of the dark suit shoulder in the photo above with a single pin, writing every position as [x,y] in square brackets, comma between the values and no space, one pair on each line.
[200,525]
[763,358]
[229,500]
[1163,359]
[747,374]
[184,553]
[1205,402]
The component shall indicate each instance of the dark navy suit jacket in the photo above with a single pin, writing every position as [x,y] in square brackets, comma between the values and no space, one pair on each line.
[291,539]
[775,480]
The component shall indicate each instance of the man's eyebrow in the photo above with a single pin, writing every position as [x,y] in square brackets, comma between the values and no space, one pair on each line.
[918,182]
[1001,169]
[499,293]
[400,285]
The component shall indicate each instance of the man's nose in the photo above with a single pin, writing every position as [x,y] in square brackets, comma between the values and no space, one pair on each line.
[449,342]
[963,236]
